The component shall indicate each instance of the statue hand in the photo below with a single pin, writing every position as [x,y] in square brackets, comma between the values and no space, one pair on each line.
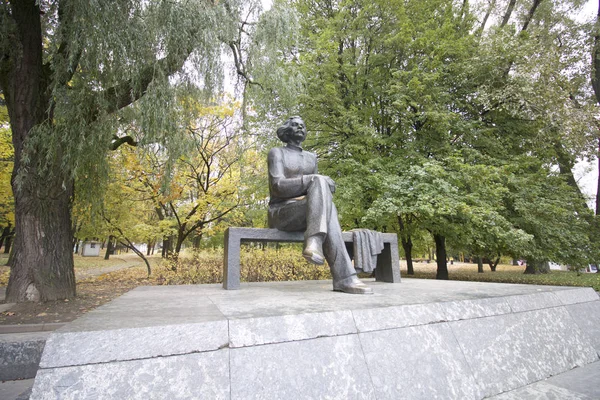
[330,182]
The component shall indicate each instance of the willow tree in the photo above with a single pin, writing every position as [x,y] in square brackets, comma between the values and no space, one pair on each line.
[68,70]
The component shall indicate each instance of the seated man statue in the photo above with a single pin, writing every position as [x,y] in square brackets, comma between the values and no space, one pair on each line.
[301,200]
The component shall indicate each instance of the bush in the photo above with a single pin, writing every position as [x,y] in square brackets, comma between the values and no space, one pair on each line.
[257,265]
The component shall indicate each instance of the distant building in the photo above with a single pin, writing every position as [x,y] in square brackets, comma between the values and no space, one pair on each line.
[558,267]
[90,249]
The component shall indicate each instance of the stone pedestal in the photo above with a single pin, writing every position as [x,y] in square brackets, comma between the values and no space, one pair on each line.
[421,339]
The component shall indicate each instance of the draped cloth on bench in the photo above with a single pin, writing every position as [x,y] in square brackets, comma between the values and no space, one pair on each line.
[367,245]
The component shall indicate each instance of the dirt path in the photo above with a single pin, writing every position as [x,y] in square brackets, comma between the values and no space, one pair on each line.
[81,274]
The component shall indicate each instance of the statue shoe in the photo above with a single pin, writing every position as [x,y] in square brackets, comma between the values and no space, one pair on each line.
[352,285]
[313,250]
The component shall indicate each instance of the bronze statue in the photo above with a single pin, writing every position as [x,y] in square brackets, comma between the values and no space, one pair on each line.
[301,200]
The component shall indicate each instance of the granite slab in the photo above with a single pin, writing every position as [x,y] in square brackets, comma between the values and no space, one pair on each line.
[328,368]
[418,339]
[587,317]
[521,348]
[191,376]
[422,362]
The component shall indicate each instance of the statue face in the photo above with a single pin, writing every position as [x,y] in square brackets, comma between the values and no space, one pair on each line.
[297,130]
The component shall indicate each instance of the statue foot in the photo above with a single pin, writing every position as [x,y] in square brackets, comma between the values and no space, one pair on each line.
[313,250]
[352,285]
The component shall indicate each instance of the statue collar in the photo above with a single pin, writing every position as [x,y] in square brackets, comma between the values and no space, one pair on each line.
[293,147]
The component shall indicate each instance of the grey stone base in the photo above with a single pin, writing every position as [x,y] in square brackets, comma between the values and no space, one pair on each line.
[298,340]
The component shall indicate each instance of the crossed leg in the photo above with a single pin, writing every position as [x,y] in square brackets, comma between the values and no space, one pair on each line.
[316,214]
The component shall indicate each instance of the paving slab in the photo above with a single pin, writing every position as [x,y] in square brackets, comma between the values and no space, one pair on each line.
[20,354]
[576,384]
[416,340]
[15,390]
[587,317]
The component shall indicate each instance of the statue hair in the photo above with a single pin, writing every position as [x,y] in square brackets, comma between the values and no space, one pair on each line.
[284,130]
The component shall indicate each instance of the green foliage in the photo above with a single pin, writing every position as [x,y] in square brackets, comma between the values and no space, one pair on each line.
[7,206]
[429,124]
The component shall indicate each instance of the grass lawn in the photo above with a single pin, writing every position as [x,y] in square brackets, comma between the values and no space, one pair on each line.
[504,274]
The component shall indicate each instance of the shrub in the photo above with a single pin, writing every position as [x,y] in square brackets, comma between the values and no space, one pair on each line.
[257,265]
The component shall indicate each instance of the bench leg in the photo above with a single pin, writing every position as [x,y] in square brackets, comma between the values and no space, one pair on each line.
[231,261]
[388,264]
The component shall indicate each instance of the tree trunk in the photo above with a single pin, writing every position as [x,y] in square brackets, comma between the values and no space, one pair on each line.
[42,263]
[109,247]
[479,265]
[508,13]
[167,251]
[537,267]
[598,181]
[487,15]
[5,234]
[178,244]
[11,256]
[7,244]
[596,87]
[440,253]
[42,268]
[407,245]
[196,243]
[494,264]
[129,245]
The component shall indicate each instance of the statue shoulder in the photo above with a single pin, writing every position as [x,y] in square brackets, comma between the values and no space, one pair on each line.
[311,154]
[275,152]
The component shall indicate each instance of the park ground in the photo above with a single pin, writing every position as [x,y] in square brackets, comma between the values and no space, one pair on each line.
[100,281]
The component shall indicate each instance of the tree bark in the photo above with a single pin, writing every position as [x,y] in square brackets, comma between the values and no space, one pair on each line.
[407,245]
[479,265]
[598,182]
[493,264]
[42,264]
[196,243]
[508,13]
[534,7]
[440,253]
[42,268]
[167,251]
[596,86]
[180,238]
[7,243]
[486,17]
[537,267]
[109,247]
[5,234]
[129,245]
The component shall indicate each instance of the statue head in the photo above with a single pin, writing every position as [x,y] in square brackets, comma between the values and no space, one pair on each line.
[292,131]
